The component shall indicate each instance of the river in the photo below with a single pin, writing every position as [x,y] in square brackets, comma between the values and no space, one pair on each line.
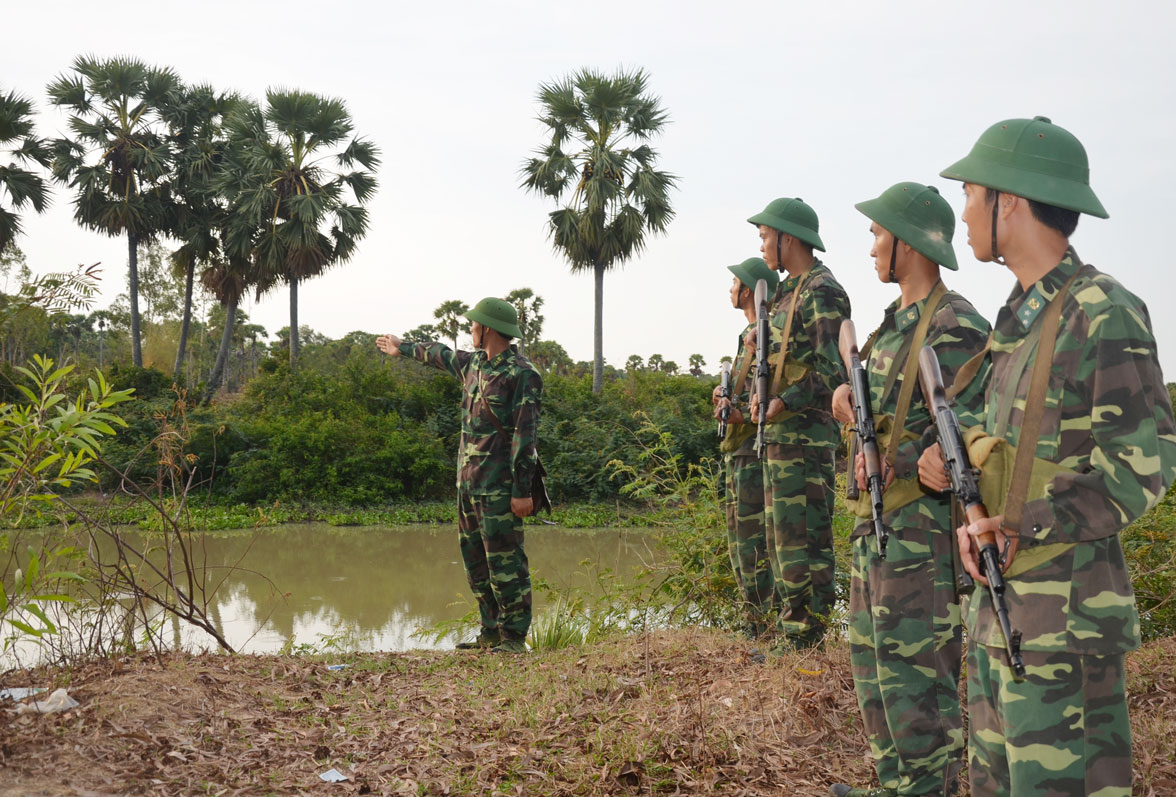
[315,586]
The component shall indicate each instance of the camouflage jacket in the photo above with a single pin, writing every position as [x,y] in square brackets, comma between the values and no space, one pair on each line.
[956,333]
[813,369]
[489,462]
[1108,419]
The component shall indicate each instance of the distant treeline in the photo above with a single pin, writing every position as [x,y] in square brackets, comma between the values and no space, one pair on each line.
[352,428]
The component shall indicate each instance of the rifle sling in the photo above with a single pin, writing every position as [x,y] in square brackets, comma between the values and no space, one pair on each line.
[910,378]
[788,333]
[1035,404]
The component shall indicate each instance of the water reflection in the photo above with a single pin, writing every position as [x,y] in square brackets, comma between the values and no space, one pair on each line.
[372,587]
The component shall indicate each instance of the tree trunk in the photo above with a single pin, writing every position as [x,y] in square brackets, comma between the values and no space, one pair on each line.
[133,285]
[598,332]
[187,319]
[222,356]
[293,322]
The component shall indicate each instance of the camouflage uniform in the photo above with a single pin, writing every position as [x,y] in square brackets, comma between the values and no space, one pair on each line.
[905,634]
[801,443]
[1108,420]
[746,541]
[491,469]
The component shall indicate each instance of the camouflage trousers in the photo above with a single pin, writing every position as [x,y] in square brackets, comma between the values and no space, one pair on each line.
[1062,731]
[746,540]
[491,540]
[905,646]
[798,500]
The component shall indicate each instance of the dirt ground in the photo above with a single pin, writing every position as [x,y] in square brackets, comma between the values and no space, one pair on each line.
[666,713]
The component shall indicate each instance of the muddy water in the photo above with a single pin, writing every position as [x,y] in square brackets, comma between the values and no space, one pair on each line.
[371,588]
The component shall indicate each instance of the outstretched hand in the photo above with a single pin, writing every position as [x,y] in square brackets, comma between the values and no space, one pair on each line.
[389,344]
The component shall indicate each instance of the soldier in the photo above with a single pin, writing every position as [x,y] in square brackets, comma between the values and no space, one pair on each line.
[905,638]
[744,480]
[496,463]
[1094,422]
[801,436]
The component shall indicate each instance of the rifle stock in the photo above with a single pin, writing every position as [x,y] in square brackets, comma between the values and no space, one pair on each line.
[864,427]
[965,485]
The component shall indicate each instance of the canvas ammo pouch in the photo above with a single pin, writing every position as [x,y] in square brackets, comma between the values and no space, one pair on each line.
[737,435]
[901,491]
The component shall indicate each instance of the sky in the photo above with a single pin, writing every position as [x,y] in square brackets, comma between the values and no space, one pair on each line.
[832,102]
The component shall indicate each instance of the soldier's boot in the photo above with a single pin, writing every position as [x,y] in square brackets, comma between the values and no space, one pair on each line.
[488,638]
[845,790]
[510,645]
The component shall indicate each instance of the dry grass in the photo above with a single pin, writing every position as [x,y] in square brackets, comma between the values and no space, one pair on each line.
[671,712]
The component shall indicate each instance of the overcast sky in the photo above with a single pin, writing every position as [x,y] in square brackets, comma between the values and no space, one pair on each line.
[832,102]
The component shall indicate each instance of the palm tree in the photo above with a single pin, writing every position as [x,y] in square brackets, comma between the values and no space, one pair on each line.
[425,333]
[196,124]
[119,160]
[634,363]
[696,363]
[307,224]
[527,305]
[21,186]
[226,280]
[656,361]
[451,320]
[600,166]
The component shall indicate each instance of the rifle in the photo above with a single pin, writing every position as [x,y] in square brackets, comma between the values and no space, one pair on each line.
[965,484]
[724,393]
[762,369]
[864,426]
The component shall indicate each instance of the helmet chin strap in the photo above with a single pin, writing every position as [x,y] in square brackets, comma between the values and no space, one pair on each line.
[779,258]
[996,258]
[893,254]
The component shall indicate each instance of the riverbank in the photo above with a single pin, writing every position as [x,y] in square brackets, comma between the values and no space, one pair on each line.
[206,514]
[690,712]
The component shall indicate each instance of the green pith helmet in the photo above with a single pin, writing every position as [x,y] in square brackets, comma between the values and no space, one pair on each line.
[918,215]
[1032,158]
[497,314]
[794,217]
[754,269]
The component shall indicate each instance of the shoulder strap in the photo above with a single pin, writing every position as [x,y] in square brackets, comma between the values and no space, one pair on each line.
[910,372]
[788,332]
[744,369]
[1035,407]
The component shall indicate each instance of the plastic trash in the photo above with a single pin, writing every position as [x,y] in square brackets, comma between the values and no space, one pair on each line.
[333,775]
[336,666]
[20,692]
[58,700]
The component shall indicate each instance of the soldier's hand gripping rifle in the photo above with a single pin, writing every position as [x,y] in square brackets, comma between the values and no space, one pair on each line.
[762,369]
[724,393]
[965,484]
[866,434]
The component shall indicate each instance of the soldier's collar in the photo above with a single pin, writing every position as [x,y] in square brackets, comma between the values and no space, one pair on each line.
[908,316]
[1029,304]
[789,284]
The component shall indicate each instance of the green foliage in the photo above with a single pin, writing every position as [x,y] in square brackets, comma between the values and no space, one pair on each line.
[148,383]
[1149,545]
[47,443]
[19,187]
[684,499]
[580,432]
